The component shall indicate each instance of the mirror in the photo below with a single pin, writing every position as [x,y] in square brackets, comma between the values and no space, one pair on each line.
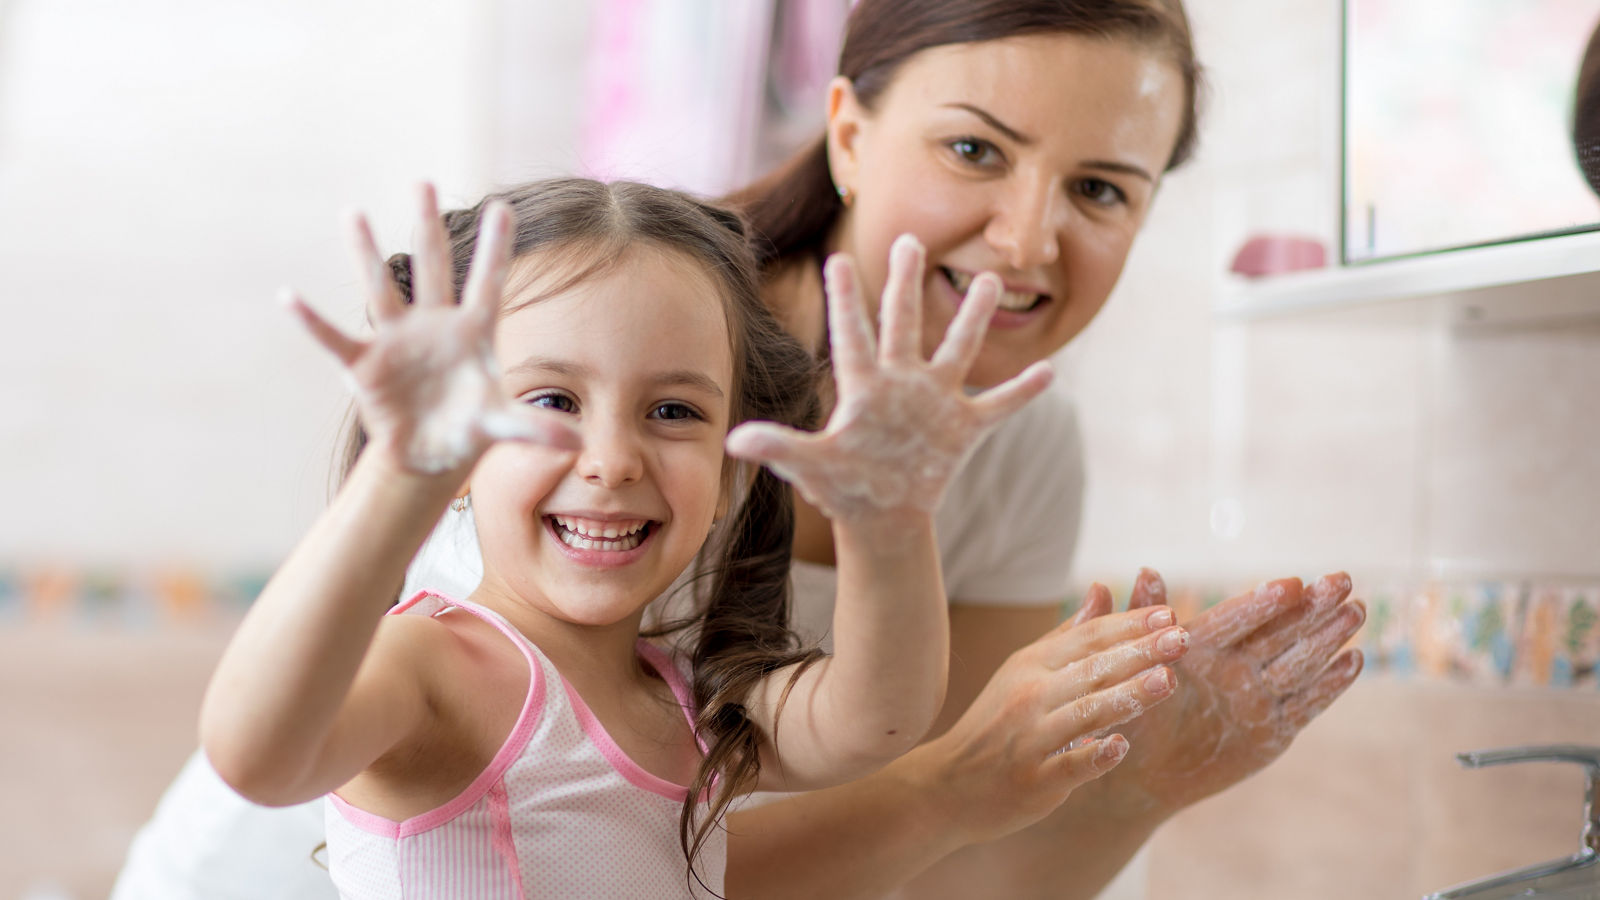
[1458,124]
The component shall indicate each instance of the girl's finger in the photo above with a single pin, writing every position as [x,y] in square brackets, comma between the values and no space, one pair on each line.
[1003,400]
[1299,663]
[333,340]
[431,284]
[849,327]
[1117,664]
[383,298]
[964,338]
[1322,599]
[490,259]
[1148,590]
[900,313]
[1236,618]
[1108,708]
[776,446]
[1309,702]
[1065,646]
[531,426]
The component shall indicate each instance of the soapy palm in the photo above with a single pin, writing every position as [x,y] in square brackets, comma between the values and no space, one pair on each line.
[426,383]
[1257,672]
[900,424]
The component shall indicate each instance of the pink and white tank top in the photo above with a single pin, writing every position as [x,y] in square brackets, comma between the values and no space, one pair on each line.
[561,811]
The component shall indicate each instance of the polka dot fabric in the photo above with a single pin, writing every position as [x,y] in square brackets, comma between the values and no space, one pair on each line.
[561,812]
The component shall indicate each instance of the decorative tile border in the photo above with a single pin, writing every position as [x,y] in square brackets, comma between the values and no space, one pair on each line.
[124,599]
[1509,632]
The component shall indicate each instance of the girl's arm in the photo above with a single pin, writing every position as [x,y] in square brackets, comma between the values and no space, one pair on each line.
[899,429]
[312,690]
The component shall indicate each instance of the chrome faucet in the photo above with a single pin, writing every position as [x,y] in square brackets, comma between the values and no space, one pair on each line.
[1575,877]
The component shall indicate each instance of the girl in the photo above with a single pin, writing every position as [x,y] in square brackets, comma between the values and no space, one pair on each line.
[525,740]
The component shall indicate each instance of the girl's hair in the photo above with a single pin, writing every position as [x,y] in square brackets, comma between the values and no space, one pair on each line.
[1586,113]
[741,632]
[793,209]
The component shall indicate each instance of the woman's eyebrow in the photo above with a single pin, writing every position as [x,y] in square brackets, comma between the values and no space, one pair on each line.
[1020,138]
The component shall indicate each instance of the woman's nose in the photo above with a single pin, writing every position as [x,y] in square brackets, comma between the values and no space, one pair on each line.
[611,455]
[1026,230]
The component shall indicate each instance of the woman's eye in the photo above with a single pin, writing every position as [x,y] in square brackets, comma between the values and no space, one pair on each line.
[557,402]
[674,412]
[976,151]
[1102,192]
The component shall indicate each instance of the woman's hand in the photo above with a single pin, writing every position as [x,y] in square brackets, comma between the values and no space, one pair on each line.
[1031,737]
[426,384]
[1257,672]
[900,424]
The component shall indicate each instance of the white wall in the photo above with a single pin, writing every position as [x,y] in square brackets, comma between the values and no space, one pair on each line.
[165,166]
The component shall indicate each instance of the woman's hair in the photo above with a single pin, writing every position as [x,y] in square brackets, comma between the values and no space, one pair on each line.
[741,632]
[1586,113]
[793,209]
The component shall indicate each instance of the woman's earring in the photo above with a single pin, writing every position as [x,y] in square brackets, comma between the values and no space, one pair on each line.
[846,196]
[461,503]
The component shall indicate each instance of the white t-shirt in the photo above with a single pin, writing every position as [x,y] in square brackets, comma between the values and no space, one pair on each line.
[1006,531]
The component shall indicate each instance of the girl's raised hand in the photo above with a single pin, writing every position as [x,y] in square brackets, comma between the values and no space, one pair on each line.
[900,424]
[426,383]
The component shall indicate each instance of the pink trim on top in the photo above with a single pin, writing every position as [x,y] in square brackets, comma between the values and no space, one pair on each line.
[521,733]
[608,748]
[502,840]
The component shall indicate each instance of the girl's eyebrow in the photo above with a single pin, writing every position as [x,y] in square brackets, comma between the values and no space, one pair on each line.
[1023,139]
[690,378]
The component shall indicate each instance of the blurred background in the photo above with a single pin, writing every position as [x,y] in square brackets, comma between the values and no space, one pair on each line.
[166,433]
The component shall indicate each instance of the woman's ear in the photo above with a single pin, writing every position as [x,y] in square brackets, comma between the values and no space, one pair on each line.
[845,116]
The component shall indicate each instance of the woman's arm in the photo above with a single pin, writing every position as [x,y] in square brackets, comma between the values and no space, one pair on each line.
[1074,849]
[898,431]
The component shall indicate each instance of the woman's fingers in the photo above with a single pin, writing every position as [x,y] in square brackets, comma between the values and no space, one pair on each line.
[1071,643]
[1322,599]
[1117,664]
[346,349]
[1308,656]
[849,327]
[1067,770]
[383,298]
[954,356]
[1309,702]
[1105,709]
[431,283]
[1236,618]
[490,259]
[1148,590]
[1096,603]
[900,311]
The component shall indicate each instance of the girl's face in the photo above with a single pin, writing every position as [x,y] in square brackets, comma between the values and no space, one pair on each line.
[640,358]
[1035,157]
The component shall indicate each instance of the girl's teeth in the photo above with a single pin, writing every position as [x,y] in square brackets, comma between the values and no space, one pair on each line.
[594,536]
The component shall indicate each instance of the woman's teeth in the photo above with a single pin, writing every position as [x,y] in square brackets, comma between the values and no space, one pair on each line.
[586,535]
[1011,301]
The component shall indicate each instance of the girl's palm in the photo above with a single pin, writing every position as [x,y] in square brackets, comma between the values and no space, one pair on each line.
[900,424]
[426,383]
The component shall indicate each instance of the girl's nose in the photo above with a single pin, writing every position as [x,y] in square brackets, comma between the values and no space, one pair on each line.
[610,456]
[1026,229]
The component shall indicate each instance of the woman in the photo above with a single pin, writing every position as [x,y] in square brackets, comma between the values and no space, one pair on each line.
[1027,137]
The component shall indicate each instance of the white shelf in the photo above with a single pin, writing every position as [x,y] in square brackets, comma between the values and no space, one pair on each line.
[1540,280]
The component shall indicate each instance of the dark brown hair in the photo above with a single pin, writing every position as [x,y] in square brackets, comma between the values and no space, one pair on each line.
[1586,114]
[793,209]
[740,631]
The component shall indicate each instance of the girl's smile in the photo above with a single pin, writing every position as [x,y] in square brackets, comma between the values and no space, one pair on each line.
[601,542]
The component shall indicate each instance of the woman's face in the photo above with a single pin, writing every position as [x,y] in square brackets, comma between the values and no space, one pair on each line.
[1033,157]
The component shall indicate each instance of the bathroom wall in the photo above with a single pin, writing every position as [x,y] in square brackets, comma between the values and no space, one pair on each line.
[1450,470]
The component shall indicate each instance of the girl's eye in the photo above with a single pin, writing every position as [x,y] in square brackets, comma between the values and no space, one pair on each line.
[975,151]
[674,412]
[1102,192]
[557,402]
